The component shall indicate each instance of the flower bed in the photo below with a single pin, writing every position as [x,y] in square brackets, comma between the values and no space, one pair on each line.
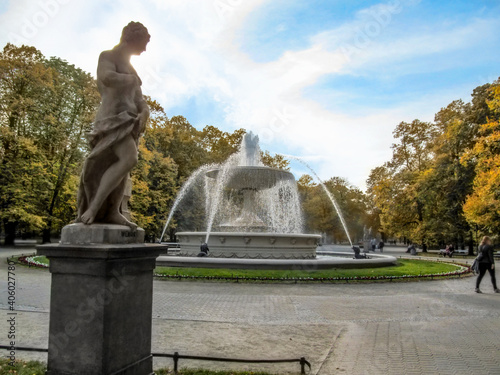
[31,261]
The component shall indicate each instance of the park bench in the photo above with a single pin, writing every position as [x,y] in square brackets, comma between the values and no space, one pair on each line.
[173,248]
[463,253]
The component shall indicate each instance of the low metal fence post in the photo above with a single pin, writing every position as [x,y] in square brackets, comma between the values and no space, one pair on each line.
[176,362]
[303,363]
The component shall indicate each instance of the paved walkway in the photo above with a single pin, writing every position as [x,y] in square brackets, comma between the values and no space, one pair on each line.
[428,327]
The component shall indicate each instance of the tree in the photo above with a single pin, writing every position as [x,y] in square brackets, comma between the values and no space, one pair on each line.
[184,146]
[68,116]
[47,107]
[155,179]
[154,185]
[24,79]
[482,207]
[220,145]
[277,161]
[420,193]
[397,188]
[319,211]
[448,181]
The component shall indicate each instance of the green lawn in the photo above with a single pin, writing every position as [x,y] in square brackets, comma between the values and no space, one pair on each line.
[403,268]
[22,368]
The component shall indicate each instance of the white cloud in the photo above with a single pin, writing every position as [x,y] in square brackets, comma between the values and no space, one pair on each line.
[193,51]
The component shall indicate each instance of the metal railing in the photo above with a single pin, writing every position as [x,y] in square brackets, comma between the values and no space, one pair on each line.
[176,357]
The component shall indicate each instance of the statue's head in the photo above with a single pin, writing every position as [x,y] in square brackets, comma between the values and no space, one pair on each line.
[135,34]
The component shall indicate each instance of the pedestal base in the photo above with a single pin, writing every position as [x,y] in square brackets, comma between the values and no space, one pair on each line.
[81,234]
[100,308]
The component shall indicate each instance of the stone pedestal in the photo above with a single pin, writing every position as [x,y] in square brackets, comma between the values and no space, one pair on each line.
[101,302]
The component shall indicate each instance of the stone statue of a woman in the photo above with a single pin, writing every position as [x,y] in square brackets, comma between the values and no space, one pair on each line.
[120,120]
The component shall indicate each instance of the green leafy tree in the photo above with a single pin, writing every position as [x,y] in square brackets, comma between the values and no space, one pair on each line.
[184,146]
[447,182]
[277,161]
[23,78]
[320,214]
[68,116]
[47,106]
[397,188]
[155,179]
[220,145]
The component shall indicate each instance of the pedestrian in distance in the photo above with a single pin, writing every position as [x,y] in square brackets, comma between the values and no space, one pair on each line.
[412,249]
[381,246]
[486,263]
[449,250]
[203,250]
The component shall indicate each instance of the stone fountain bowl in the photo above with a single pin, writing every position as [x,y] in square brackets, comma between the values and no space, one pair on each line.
[251,245]
[253,177]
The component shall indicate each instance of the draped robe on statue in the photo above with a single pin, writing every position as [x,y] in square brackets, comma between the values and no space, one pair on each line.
[107,132]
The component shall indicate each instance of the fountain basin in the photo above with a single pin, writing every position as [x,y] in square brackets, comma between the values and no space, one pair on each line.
[334,260]
[251,245]
[253,177]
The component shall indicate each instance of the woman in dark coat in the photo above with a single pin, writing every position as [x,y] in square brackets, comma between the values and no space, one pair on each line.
[486,263]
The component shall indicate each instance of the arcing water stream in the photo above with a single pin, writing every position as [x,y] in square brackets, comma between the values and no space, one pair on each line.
[185,188]
[214,200]
[330,196]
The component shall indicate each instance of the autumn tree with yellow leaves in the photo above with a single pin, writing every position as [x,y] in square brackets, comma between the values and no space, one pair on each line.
[482,207]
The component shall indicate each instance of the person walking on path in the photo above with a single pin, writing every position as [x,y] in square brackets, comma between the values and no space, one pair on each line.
[486,262]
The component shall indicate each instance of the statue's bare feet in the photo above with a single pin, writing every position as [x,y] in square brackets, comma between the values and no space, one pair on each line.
[119,219]
[88,217]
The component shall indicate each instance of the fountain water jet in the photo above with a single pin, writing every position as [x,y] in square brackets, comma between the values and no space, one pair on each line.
[182,193]
[226,172]
[330,196]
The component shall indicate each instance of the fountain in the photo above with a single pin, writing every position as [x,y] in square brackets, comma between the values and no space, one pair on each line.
[254,220]
[254,209]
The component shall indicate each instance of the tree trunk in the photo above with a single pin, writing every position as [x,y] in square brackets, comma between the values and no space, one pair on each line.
[471,244]
[46,232]
[10,232]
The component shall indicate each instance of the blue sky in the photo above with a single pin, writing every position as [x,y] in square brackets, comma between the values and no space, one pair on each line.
[324,80]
